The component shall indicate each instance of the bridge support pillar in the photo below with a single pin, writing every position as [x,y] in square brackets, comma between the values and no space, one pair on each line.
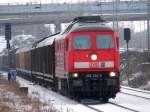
[57,27]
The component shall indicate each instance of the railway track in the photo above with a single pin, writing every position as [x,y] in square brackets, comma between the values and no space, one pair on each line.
[137,90]
[136,93]
[90,107]
[110,105]
[124,107]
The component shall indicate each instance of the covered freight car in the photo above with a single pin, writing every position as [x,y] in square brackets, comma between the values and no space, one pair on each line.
[23,62]
[36,62]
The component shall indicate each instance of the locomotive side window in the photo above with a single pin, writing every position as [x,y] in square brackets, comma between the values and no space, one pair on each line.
[104,41]
[82,42]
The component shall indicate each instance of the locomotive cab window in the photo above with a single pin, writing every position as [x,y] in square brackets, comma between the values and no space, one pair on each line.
[104,41]
[82,42]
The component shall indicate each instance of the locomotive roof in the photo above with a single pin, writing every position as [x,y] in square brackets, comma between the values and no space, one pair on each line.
[88,19]
[86,23]
[86,27]
[89,27]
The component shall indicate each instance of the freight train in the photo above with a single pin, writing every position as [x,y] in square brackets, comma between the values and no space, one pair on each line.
[81,62]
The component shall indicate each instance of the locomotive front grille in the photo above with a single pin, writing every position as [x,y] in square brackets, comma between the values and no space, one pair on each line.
[97,78]
[95,84]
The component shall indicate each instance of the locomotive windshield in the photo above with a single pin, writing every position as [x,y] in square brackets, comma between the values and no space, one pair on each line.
[104,41]
[82,42]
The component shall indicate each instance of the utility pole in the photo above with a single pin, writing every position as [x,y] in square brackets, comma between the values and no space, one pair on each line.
[113,5]
[148,27]
[116,13]
[148,34]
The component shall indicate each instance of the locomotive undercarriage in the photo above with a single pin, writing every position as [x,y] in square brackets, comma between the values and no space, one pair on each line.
[91,86]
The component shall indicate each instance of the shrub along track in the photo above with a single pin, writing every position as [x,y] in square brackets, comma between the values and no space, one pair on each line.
[12,99]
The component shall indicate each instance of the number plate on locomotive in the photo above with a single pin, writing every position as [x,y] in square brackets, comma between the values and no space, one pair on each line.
[93,75]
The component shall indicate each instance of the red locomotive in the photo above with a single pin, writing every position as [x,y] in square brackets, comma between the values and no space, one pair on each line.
[82,61]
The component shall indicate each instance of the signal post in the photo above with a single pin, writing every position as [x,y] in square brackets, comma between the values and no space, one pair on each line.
[127,37]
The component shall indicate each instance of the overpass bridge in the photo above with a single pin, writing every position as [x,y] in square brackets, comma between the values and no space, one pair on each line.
[61,13]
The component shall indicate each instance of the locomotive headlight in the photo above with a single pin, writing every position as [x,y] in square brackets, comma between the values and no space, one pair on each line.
[94,57]
[75,75]
[112,74]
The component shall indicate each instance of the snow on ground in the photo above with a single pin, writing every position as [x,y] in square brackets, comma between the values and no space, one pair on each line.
[9,100]
[65,104]
[60,102]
